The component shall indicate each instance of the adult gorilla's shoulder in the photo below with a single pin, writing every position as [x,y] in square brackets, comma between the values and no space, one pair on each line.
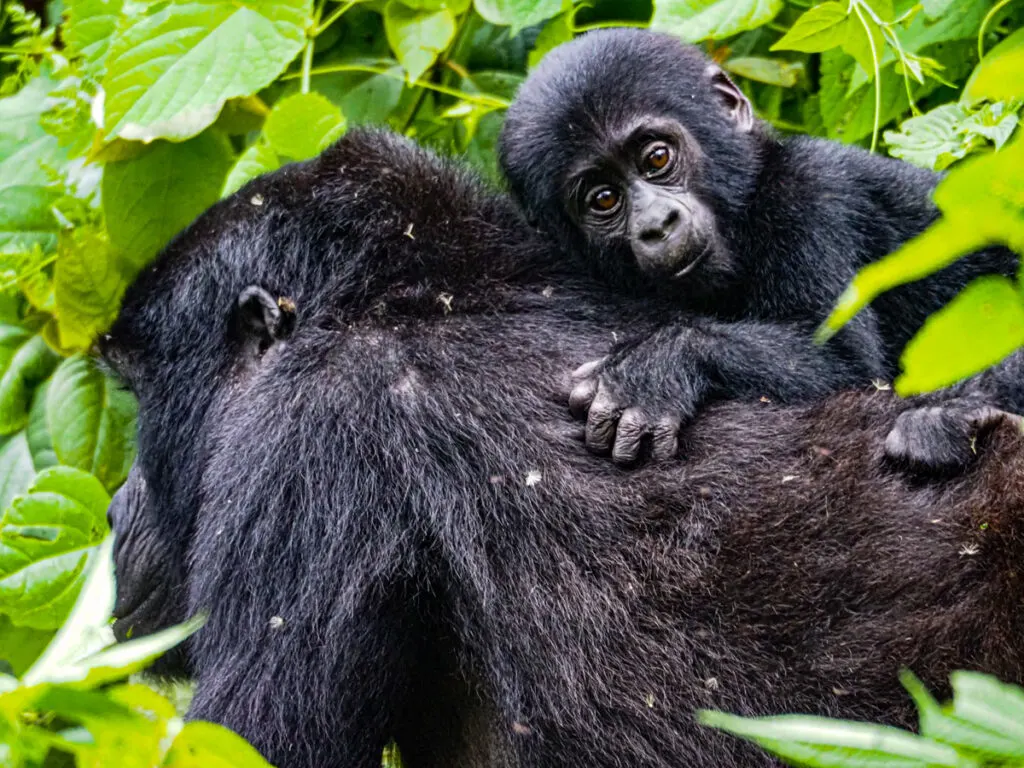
[385,508]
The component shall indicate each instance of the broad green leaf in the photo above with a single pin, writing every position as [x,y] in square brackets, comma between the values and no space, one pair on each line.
[933,9]
[25,361]
[16,468]
[255,161]
[996,122]
[822,742]
[784,74]
[931,140]
[91,421]
[372,98]
[26,219]
[150,198]
[938,246]
[25,148]
[978,328]
[557,31]
[20,646]
[46,536]
[820,28]
[169,74]
[848,113]
[87,287]
[37,433]
[302,126]
[974,738]
[90,27]
[865,43]
[208,745]
[962,24]
[115,662]
[517,14]
[696,20]
[87,626]
[417,37]
[985,701]
[1000,75]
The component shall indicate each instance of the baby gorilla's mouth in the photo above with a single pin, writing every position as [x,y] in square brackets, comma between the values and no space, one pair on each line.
[694,263]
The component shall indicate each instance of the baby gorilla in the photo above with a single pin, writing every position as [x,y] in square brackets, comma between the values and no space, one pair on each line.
[646,162]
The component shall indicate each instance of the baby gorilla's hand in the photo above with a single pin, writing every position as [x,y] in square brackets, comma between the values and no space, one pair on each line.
[624,416]
[940,439]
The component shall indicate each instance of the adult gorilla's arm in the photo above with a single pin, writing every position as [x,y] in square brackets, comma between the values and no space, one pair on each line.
[646,390]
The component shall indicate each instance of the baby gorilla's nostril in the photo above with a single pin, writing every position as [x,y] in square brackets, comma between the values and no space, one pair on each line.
[652,235]
[671,219]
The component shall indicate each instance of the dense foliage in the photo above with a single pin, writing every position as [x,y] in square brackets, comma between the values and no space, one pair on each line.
[121,120]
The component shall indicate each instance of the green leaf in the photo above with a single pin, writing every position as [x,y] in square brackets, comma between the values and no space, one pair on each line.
[939,724]
[819,29]
[865,43]
[986,702]
[302,126]
[37,433]
[847,112]
[818,741]
[417,37]
[169,74]
[150,198]
[25,361]
[557,31]
[20,646]
[371,99]
[87,625]
[696,20]
[978,328]
[255,161]
[25,148]
[761,69]
[92,421]
[517,14]
[90,27]
[87,287]
[996,122]
[16,468]
[208,745]
[1000,75]
[931,140]
[26,219]
[45,537]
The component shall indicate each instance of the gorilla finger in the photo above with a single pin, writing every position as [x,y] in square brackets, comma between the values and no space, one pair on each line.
[665,438]
[581,397]
[632,428]
[601,422]
[588,369]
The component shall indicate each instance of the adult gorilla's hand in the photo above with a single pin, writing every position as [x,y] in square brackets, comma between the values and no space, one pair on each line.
[625,415]
[941,439]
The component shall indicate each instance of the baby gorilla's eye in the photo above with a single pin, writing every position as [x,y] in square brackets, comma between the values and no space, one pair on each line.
[656,158]
[604,199]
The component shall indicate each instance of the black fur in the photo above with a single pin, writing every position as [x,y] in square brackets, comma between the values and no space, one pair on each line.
[394,527]
[796,218]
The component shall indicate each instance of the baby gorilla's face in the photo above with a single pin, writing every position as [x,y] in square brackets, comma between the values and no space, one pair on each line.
[635,194]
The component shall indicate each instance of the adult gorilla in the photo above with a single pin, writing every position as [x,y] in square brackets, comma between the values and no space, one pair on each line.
[354,453]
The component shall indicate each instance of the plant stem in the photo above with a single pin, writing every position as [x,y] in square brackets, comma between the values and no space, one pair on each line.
[307,52]
[483,100]
[338,13]
[878,75]
[984,26]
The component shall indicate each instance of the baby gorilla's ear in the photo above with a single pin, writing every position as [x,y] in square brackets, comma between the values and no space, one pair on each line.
[261,320]
[732,98]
